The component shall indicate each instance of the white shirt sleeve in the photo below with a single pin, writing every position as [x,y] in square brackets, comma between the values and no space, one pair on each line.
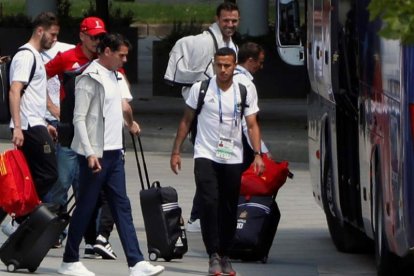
[21,66]
[125,91]
[193,95]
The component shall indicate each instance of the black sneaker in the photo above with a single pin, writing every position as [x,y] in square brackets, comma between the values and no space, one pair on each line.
[104,249]
[90,253]
[214,266]
[226,266]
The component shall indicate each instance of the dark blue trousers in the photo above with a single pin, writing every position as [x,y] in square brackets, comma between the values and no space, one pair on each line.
[112,180]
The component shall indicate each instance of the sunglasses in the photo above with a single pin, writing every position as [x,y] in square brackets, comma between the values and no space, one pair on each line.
[94,37]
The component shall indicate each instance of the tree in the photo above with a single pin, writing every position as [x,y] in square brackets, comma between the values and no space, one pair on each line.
[397,17]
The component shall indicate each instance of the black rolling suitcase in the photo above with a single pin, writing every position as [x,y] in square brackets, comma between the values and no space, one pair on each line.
[29,244]
[257,221]
[164,225]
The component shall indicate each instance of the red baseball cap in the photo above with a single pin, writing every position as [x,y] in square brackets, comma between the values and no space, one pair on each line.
[93,26]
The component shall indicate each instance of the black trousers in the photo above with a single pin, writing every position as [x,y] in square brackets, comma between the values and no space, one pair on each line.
[248,157]
[39,150]
[218,189]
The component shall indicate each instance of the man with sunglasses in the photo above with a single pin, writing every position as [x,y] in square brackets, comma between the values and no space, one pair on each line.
[67,66]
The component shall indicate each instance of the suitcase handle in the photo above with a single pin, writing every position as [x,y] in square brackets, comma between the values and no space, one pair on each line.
[143,161]
[156,184]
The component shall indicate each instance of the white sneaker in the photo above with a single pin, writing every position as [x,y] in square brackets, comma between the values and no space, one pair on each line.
[193,226]
[145,268]
[10,228]
[74,269]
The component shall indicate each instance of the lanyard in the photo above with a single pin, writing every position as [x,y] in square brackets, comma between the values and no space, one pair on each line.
[234,105]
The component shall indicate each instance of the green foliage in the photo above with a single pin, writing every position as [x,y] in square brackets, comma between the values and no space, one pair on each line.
[397,16]
[180,30]
[118,16]
[139,12]
[64,14]
[17,20]
[169,13]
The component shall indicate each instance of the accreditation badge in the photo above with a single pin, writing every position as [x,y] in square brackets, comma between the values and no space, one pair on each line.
[225,148]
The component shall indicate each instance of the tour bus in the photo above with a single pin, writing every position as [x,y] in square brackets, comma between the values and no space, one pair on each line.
[360,124]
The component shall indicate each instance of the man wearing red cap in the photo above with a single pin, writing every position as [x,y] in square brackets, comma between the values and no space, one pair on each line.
[67,66]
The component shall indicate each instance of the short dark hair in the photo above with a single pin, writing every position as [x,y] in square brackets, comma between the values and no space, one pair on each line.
[225,51]
[249,50]
[226,6]
[45,20]
[113,41]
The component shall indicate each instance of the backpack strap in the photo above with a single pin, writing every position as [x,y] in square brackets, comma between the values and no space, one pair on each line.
[203,90]
[243,96]
[32,71]
[214,39]
[200,101]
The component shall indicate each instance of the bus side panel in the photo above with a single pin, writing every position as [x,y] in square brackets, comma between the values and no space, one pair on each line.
[314,142]
[408,148]
[311,46]
[321,115]
[394,96]
[370,106]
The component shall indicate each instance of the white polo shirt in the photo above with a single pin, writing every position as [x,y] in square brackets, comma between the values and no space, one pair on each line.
[209,128]
[33,102]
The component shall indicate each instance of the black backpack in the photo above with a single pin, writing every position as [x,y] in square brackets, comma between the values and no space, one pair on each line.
[203,89]
[5,62]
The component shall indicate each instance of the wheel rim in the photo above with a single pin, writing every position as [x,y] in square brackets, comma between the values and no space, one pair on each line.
[153,256]
[11,268]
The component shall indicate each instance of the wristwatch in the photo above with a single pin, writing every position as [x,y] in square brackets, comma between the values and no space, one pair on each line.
[258,153]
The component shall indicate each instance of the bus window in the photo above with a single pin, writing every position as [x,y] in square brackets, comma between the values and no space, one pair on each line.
[288,32]
[289,24]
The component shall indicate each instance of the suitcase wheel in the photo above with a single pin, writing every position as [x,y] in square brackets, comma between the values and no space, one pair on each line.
[167,259]
[32,269]
[264,259]
[11,267]
[153,256]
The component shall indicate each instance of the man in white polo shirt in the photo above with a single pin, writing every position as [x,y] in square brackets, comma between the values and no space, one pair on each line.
[218,155]
[28,104]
